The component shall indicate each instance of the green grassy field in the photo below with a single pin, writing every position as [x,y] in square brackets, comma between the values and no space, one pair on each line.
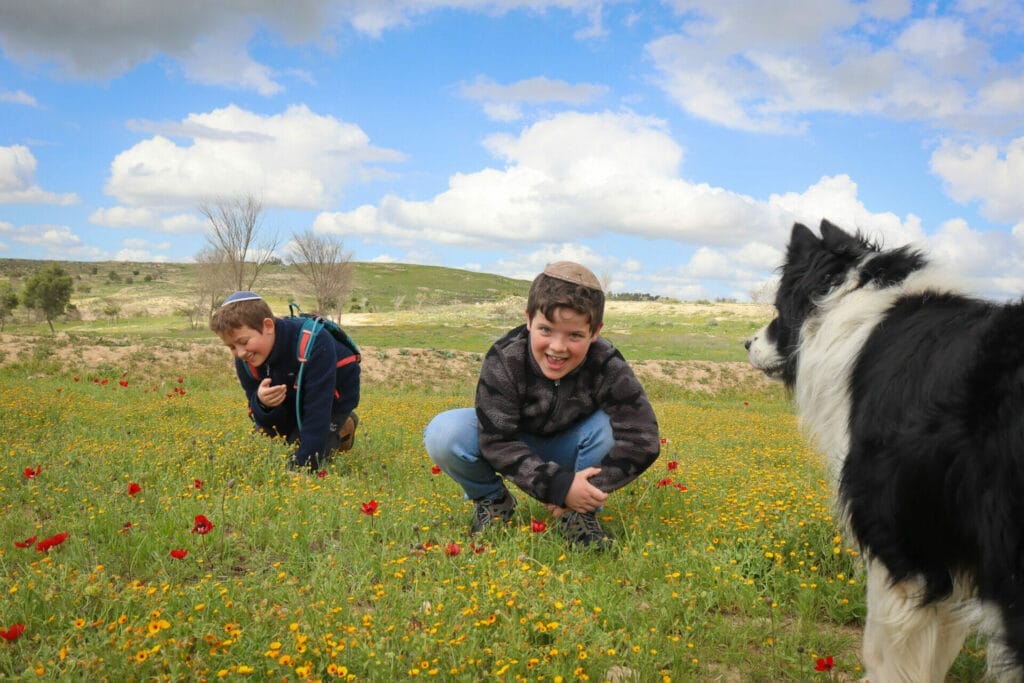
[728,564]
[139,288]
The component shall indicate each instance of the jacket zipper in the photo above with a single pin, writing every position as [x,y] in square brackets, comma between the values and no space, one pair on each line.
[554,403]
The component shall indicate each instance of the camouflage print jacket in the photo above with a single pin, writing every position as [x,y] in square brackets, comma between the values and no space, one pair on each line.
[514,397]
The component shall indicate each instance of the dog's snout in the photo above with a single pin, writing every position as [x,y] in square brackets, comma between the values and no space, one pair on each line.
[748,342]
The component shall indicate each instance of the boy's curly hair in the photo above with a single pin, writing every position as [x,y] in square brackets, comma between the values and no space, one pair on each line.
[231,316]
[549,293]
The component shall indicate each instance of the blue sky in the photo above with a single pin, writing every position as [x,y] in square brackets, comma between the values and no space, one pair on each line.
[669,146]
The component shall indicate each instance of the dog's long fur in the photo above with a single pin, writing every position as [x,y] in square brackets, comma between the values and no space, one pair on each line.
[914,392]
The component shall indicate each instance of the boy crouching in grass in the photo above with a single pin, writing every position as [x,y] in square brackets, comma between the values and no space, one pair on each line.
[321,419]
[558,411]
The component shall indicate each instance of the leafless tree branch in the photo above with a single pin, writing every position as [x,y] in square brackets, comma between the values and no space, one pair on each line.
[325,265]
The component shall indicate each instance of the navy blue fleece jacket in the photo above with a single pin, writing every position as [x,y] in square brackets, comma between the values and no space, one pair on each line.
[330,386]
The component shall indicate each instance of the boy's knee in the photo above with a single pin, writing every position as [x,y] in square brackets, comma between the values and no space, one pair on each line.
[437,437]
[447,433]
[433,443]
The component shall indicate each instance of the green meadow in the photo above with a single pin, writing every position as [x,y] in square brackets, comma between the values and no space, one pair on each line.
[147,534]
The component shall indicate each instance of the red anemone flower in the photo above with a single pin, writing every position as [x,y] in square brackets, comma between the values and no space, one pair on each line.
[321,473]
[370,507]
[133,488]
[825,664]
[123,382]
[202,525]
[52,541]
[33,473]
[179,553]
[435,470]
[538,526]
[27,543]
[672,464]
[667,481]
[198,483]
[13,633]
[452,549]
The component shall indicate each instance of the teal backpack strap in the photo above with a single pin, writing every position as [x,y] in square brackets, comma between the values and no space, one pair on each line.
[251,370]
[311,326]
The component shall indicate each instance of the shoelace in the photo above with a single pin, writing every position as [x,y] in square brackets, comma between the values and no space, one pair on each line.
[585,526]
[486,511]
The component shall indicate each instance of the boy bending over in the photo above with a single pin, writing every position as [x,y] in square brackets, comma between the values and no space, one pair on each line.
[558,411]
[267,363]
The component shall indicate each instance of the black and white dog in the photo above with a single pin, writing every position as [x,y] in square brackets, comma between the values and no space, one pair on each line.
[914,392]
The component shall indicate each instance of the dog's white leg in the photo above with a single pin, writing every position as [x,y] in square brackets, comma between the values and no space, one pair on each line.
[1000,664]
[1002,667]
[905,642]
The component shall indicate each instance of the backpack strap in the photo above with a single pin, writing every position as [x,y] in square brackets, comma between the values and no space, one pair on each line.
[311,327]
[307,335]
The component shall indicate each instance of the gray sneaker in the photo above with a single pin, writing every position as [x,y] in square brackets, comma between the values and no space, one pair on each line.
[488,510]
[583,529]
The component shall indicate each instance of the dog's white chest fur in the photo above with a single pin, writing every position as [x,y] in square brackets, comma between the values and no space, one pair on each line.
[830,344]
[829,347]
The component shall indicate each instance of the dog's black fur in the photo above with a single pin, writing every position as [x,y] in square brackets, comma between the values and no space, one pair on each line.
[931,467]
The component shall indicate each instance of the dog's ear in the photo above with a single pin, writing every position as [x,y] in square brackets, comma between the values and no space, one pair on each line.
[802,240]
[837,240]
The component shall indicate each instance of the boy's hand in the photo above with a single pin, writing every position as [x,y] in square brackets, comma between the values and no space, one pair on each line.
[582,496]
[270,396]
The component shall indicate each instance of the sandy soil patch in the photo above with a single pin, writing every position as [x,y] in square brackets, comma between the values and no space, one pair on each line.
[400,367]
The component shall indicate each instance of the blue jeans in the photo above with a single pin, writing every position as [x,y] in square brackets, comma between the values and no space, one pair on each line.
[452,441]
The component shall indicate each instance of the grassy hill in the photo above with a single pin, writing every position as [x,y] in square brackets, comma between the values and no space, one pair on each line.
[159,288]
[391,306]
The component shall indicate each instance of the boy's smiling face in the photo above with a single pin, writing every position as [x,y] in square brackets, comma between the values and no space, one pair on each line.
[250,345]
[560,346]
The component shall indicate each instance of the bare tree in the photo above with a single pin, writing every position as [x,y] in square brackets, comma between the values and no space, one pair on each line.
[325,265]
[214,280]
[235,238]
[764,293]
[606,281]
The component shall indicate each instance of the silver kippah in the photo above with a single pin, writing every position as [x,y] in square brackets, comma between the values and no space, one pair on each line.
[240,296]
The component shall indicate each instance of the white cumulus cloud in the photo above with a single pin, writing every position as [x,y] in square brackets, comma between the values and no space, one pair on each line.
[18,183]
[296,159]
[981,173]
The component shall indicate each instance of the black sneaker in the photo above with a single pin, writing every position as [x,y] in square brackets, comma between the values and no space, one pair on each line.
[488,510]
[583,529]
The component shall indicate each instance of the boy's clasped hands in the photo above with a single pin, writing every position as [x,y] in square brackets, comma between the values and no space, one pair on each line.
[583,496]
